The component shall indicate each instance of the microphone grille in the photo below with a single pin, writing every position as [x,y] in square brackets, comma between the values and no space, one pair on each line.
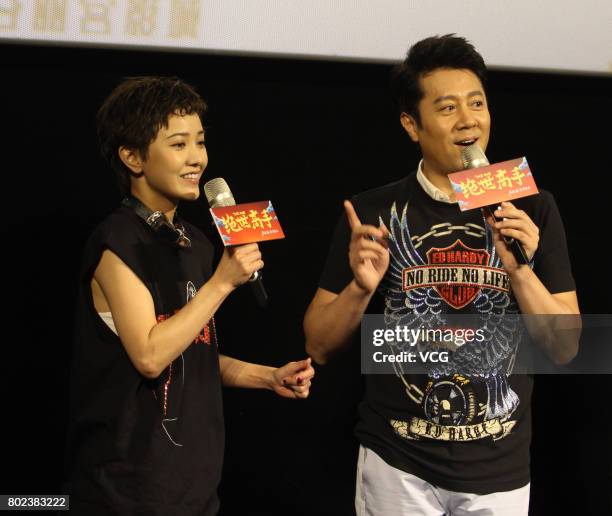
[218,193]
[472,156]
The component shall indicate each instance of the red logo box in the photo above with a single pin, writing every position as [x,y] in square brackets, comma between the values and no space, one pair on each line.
[247,223]
[490,185]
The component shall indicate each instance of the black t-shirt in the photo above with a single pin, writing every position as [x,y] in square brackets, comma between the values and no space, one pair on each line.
[139,446]
[468,432]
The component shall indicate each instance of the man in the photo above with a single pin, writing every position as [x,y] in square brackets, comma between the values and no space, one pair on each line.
[146,435]
[432,444]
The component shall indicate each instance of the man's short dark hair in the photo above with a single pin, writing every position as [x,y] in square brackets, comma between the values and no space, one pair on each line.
[449,51]
[135,111]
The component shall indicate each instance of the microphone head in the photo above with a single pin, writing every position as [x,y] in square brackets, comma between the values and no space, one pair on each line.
[472,156]
[218,194]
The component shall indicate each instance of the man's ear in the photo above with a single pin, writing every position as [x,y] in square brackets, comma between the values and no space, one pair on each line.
[131,159]
[410,126]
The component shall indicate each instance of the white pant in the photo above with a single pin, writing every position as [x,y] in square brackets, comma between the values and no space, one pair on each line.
[383,490]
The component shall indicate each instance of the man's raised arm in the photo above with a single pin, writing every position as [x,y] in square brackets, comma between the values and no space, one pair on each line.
[331,319]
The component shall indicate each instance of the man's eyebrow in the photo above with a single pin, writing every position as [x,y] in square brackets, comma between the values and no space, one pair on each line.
[474,93]
[183,134]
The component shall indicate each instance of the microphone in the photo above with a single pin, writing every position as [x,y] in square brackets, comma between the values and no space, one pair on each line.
[473,156]
[218,194]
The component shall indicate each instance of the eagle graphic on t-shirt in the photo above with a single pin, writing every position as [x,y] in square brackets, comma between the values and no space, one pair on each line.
[422,291]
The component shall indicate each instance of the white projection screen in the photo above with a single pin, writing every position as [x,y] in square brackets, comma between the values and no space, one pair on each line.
[556,35]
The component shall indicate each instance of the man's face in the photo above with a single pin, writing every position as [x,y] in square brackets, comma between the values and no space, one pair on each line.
[176,159]
[454,113]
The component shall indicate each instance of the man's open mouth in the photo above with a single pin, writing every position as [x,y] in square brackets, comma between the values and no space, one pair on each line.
[466,142]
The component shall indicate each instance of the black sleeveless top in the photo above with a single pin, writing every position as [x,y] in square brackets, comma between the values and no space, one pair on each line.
[140,446]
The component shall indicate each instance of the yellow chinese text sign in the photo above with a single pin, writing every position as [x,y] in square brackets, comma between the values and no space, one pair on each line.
[247,223]
[485,186]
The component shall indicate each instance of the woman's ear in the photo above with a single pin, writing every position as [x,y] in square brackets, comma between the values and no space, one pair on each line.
[131,159]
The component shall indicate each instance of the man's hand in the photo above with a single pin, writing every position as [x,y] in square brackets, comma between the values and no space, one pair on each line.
[368,251]
[293,379]
[518,225]
[237,265]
